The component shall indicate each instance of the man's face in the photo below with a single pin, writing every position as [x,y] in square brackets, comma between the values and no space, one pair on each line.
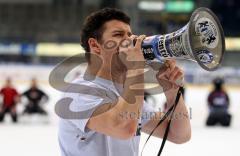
[114,33]
[115,30]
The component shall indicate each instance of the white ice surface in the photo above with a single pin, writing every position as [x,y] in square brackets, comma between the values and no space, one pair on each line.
[37,138]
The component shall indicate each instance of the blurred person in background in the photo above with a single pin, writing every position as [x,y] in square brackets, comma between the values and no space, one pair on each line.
[218,104]
[35,97]
[10,100]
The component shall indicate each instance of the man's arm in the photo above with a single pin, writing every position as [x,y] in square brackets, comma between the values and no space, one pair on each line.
[228,100]
[43,95]
[209,99]
[117,121]
[121,121]
[180,130]
[25,93]
[17,96]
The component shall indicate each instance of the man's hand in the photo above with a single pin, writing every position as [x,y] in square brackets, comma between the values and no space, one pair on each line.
[130,55]
[170,77]
[172,74]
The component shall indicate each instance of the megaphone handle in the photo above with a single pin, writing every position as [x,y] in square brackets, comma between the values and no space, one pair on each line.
[162,65]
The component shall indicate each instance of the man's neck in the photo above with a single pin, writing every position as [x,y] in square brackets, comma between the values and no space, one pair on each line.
[116,77]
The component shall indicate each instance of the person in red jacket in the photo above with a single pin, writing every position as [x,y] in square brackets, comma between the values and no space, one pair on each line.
[10,99]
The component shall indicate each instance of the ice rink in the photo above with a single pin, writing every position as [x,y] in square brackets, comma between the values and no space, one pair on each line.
[38,138]
[42,37]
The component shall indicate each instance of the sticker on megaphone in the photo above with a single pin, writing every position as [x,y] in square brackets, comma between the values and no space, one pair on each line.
[205,56]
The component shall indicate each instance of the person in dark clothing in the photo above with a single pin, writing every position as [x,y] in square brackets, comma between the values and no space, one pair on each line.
[10,99]
[218,103]
[35,97]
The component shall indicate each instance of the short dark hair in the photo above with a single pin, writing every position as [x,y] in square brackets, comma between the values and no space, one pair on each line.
[93,25]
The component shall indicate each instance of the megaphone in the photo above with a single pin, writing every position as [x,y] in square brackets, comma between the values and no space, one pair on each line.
[201,40]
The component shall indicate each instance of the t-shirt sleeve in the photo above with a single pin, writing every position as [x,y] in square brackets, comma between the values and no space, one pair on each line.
[148,112]
[83,106]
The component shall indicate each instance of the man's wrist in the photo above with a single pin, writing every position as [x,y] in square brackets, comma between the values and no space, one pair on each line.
[171,95]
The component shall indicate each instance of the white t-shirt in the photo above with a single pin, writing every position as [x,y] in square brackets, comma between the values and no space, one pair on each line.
[75,139]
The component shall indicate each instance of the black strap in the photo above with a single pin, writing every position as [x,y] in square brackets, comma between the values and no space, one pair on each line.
[171,112]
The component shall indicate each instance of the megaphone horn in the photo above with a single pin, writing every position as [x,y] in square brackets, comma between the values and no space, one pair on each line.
[201,40]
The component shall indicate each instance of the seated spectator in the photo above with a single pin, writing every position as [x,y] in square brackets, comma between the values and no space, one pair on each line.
[218,104]
[10,99]
[35,97]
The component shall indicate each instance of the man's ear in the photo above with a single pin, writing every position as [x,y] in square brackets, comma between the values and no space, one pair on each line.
[94,45]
